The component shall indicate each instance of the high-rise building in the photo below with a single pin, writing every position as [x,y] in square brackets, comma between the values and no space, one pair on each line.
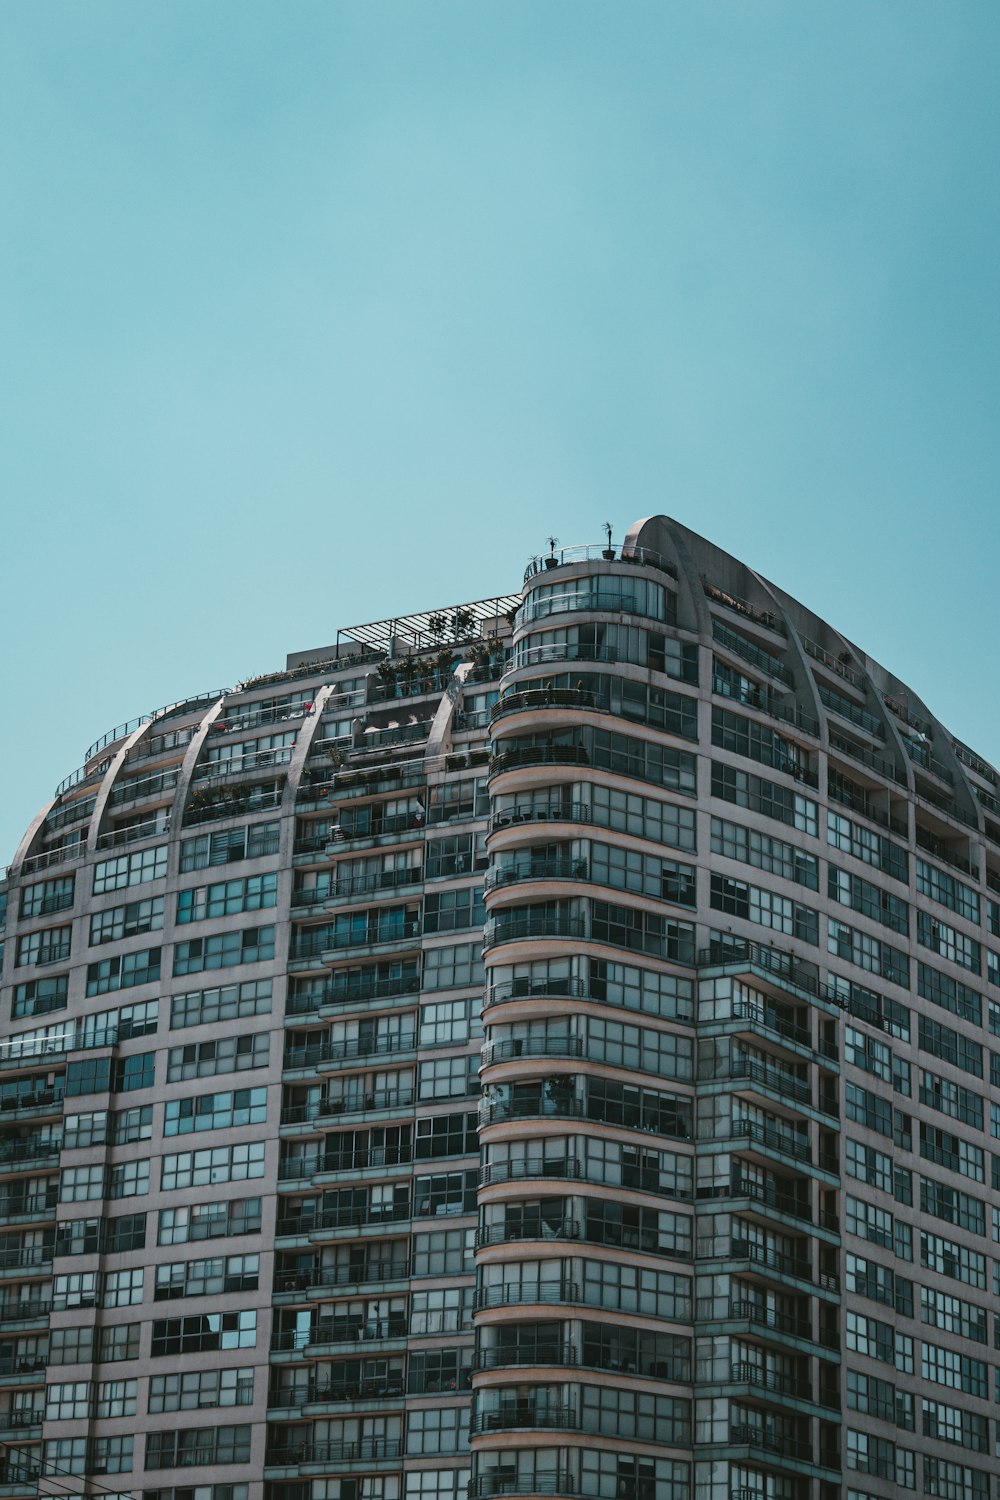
[538,1047]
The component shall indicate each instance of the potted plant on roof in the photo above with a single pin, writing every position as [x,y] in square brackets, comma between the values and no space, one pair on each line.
[552,561]
[479,653]
[609,552]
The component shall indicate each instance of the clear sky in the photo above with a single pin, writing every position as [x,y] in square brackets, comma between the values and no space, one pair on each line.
[311,313]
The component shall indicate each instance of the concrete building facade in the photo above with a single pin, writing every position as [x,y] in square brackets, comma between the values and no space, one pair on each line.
[548,1046]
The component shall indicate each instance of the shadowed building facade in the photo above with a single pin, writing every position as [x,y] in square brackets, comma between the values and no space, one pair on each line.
[539,1047]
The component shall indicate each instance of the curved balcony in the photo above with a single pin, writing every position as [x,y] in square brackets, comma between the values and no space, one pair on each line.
[529,699]
[527,989]
[520,870]
[510,928]
[657,1117]
[525,1414]
[542,1482]
[521,1355]
[617,1236]
[555,812]
[506,1051]
[543,1293]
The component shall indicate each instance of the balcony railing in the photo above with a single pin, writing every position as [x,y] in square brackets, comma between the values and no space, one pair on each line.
[555,1353]
[525,1414]
[535,869]
[360,1450]
[595,552]
[541,1482]
[327,1109]
[543,1046]
[773,1139]
[509,929]
[342,1218]
[324,1278]
[552,812]
[324,1051]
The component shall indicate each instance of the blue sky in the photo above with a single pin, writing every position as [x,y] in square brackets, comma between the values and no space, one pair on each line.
[315,312]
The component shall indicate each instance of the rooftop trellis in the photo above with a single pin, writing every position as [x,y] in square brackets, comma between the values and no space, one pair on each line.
[432,627]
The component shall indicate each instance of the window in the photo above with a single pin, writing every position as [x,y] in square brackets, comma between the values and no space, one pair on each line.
[223,950]
[126,921]
[122,1288]
[949,942]
[216,1164]
[122,971]
[229,1002]
[49,947]
[204,1332]
[958,1371]
[227,898]
[764,852]
[116,1398]
[215,1111]
[202,1221]
[456,967]
[118,1342]
[949,993]
[952,1260]
[129,1179]
[110,1455]
[80,1184]
[950,1045]
[67,1401]
[194,1389]
[205,1278]
[135,1072]
[765,797]
[948,890]
[40,996]
[766,908]
[47,897]
[225,1054]
[195,1446]
[130,869]
[226,847]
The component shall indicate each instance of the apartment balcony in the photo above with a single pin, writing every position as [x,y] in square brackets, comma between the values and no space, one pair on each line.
[510,928]
[318,1399]
[542,1482]
[385,1275]
[341,1218]
[325,1051]
[762,1261]
[32,1209]
[376,1158]
[522,1047]
[656,1118]
[361,1450]
[554,812]
[336,993]
[743,1314]
[545,870]
[379,1101]
[513,1416]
